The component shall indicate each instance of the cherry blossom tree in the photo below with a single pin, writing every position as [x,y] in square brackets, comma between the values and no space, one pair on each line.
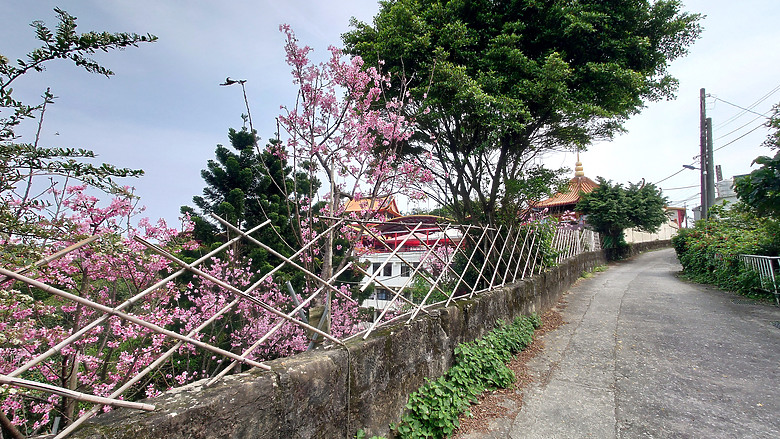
[337,131]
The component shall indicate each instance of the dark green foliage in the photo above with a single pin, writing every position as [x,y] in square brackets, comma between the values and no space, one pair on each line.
[433,410]
[611,209]
[246,187]
[709,253]
[505,80]
[761,188]
[534,183]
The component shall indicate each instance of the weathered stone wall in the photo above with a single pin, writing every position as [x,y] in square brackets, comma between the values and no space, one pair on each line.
[641,247]
[333,393]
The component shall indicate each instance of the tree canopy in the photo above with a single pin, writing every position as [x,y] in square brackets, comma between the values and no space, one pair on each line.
[761,188]
[245,187]
[502,81]
[611,208]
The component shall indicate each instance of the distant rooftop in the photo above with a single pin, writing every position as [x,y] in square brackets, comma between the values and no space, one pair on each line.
[577,185]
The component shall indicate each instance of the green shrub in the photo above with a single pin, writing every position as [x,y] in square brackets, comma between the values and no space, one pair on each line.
[709,253]
[433,411]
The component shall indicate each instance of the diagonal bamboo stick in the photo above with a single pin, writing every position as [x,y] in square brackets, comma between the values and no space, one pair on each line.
[57,255]
[276,327]
[286,259]
[48,388]
[233,289]
[80,333]
[154,365]
[124,316]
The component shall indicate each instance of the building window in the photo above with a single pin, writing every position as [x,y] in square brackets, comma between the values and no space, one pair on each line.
[388,269]
[376,267]
[406,270]
[382,294]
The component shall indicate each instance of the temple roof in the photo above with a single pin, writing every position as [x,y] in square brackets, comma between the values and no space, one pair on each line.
[380,204]
[580,183]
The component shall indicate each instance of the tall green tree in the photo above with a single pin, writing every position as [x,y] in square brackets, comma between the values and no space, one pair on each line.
[612,208]
[246,186]
[761,188]
[502,81]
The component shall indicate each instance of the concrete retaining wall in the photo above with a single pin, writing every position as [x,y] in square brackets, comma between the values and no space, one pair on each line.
[641,247]
[333,393]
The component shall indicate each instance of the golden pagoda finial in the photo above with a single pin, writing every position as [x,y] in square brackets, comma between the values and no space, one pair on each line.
[578,172]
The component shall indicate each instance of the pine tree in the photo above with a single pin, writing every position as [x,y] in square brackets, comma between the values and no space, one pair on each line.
[246,186]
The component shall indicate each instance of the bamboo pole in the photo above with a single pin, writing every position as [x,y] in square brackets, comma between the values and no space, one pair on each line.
[154,365]
[233,289]
[57,255]
[80,333]
[416,270]
[501,256]
[520,257]
[286,259]
[487,257]
[448,264]
[511,258]
[433,286]
[393,253]
[530,249]
[48,388]
[362,270]
[124,316]
[276,327]
[469,263]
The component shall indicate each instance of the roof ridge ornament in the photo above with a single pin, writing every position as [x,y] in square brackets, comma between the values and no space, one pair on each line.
[578,170]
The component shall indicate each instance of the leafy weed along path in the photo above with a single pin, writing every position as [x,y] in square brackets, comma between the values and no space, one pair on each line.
[508,402]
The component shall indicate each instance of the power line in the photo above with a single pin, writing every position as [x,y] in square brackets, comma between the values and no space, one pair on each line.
[743,126]
[691,198]
[664,179]
[727,144]
[735,105]
[753,105]
[683,169]
[676,188]
[738,115]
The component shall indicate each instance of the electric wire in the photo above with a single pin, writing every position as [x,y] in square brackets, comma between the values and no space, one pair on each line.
[664,179]
[691,198]
[677,188]
[744,110]
[729,143]
[731,119]
[683,169]
[740,114]
[743,126]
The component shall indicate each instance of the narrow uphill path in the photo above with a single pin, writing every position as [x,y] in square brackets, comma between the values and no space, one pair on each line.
[643,354]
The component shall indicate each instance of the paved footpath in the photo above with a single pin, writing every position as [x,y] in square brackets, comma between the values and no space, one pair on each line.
[644,354]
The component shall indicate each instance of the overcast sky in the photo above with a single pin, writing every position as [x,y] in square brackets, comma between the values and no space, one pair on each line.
[164,111]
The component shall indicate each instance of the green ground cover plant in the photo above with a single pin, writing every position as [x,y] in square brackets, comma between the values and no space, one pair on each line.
[434,409]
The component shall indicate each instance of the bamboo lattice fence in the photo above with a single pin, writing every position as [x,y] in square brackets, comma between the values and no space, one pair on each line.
[439,263]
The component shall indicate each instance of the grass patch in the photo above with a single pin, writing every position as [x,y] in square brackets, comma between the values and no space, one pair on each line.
[596,269]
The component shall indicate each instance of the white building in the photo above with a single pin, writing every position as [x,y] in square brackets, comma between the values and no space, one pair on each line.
[397,249]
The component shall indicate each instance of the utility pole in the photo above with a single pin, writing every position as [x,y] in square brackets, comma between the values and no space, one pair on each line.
[710,167]
[703,152]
